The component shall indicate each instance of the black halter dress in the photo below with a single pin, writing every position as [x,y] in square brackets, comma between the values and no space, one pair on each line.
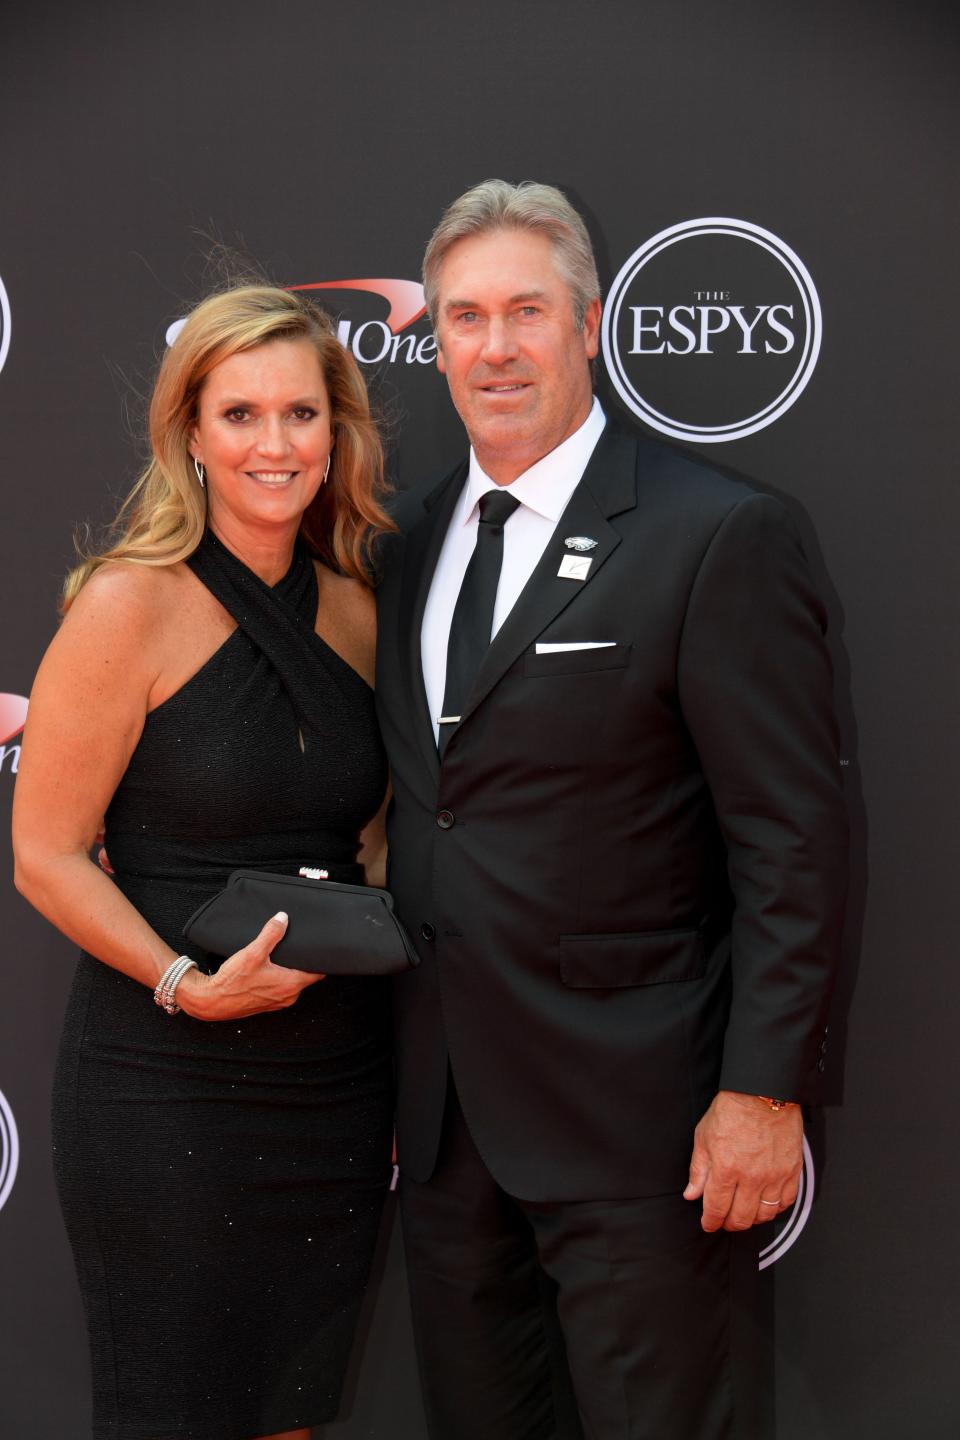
[222,1182]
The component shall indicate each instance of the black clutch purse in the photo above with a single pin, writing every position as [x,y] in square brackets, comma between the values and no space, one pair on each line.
[333,929]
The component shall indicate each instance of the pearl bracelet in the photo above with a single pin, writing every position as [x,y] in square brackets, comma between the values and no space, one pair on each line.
[166,989]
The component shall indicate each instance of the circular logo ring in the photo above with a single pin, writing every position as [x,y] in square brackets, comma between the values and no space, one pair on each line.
[810,351]
[797,1218]
[9,1150]
[5,324]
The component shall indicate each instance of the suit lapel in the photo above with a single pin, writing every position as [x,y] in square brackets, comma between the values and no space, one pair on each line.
[421,553]
[608,488]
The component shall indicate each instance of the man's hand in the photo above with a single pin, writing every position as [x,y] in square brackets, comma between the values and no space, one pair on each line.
[744,1153]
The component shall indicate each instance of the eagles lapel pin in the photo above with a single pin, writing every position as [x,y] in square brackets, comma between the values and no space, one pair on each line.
[580,543]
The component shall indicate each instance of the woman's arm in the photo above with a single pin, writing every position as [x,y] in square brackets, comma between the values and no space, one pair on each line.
[86,714]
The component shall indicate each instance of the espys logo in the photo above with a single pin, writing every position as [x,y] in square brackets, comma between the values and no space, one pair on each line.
[711,330]
[13,714]
[9,1150]
[4,325]
[374,341]
[789,1232]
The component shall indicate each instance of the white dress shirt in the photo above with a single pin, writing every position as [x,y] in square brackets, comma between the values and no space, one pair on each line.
[543,492]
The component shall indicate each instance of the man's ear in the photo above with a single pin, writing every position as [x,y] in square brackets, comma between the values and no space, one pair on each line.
[441,365]
[591,329]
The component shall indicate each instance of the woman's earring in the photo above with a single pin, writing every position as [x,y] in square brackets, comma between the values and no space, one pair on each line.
[327,470]
[201,473]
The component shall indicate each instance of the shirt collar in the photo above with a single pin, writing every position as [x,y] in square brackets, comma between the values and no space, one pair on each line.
[547,485]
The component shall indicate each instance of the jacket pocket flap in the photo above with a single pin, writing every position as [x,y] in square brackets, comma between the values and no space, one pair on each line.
[655,957]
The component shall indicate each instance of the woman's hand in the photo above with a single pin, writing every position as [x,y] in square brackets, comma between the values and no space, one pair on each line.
[247,983]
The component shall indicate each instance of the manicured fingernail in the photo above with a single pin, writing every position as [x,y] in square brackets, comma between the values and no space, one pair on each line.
[281,915]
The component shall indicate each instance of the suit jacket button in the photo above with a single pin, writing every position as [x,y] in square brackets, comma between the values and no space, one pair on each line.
[427,931]
[445,820]
[821,1064]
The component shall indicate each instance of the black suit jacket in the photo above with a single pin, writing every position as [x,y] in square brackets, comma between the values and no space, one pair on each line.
[626,880]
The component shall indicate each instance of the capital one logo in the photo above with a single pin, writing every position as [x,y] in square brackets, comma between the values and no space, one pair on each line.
[9,1150]
[792,1226]
[391,339]
[4,325]
[381,338]
[13,714]
[711,330]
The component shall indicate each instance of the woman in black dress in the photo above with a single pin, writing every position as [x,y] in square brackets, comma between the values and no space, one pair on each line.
[221,1168]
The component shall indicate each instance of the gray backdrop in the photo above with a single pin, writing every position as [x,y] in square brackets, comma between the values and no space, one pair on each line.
[321,142]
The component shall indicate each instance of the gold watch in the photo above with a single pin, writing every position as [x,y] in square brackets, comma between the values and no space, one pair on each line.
[776,1104]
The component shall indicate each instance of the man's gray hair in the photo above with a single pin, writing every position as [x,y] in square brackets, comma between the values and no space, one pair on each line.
[498,205]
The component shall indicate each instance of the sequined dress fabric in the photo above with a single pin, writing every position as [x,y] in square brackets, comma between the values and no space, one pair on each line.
[222,1183]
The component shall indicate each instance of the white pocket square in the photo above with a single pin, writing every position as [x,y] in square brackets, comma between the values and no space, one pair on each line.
[554,649]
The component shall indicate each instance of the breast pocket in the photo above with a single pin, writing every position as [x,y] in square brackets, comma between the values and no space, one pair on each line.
[576,662]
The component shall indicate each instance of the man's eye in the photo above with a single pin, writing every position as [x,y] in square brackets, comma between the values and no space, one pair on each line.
[467,316]
[529,310]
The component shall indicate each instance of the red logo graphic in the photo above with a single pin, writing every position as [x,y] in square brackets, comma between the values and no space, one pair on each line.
[405,297]
[373,341]
[13,713]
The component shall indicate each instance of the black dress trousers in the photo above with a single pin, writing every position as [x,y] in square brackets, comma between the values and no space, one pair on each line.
[607,1320]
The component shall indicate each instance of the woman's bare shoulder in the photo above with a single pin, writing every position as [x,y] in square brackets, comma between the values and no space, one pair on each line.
[347,619]
[353,601]
[136,611]
[157,624]
[122,603]
[131,593]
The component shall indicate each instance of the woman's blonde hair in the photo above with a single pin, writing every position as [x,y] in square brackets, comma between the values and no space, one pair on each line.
[163,518]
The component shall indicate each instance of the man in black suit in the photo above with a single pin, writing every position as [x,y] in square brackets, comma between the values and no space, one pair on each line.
[618,839]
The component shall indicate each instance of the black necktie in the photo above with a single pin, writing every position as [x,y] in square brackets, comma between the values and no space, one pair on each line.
[472,622]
